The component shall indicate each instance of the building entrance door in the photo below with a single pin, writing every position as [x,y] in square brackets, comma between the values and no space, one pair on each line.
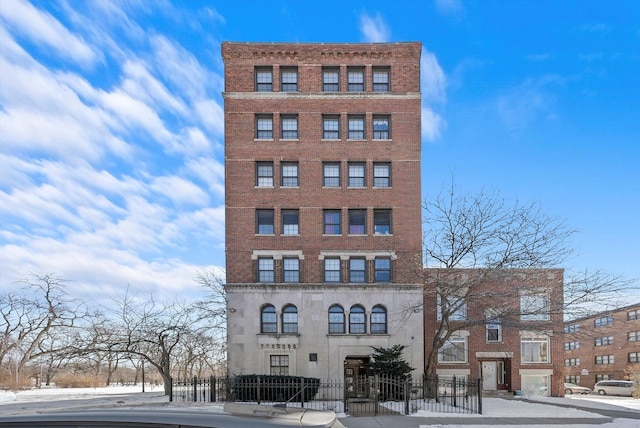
[489,375]
[356,377]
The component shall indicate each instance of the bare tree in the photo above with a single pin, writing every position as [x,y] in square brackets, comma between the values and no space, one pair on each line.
[485,233]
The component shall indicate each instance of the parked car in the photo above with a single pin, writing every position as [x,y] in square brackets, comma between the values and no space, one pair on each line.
[615,387]
[572,388]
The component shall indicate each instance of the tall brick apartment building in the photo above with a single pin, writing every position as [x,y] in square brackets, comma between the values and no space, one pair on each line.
[323,206]
[603,346]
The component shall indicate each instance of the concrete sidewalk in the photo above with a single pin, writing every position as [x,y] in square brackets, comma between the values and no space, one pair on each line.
[419,421]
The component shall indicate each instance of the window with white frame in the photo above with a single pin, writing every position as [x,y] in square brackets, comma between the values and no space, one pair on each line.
[266,269]
[264,174]
[569,346]
[381,174]
[494,330]
[535,349]
[331,127]
[382,269]
[290,269]
[289,79]
[453,351]
[289,127]
[264,79]
[279,365]
[330,79]
[378,320]
[603,321]
[357,271]
[290,176]
[264,126]
[600,377]
[633,315]
[451,307]
[569,362]
[381,128]
[355,79]
[290,222]
[571,328]
[604,341]
[604,359]
[382,222]
[268,319]
[572,379]
[264,222]
[380,79]
[534,307]
[331,174]
[336,320]
[634,357]
[332,270]
[356,127]
[633,336]
[289,319]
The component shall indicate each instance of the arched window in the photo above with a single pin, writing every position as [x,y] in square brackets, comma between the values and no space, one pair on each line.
[336,320]
[290,319]
[357,320]
[378,320]
[268,319]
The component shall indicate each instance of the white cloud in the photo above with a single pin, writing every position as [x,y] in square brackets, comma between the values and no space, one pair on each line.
[432,124]
[374,29]
[449,7]
[43,29]
[179,190]
[433,83]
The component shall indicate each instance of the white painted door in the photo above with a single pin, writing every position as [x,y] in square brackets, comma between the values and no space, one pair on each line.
[489,375]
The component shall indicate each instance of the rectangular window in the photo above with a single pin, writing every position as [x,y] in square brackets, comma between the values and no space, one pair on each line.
[332,222]
[572,379]
[291,270]
[330,80]
[571,328]
[331,127]
[604,359]
[289,79]
[382,222]
[289,174]
[264,174]
[382,269]
[266,271]
[381,175]
[356,127]
[290,222]
[289,127]
[332,270]
[331,175]
[603,321]
[569,362]
[356,175]
[534,307]
[264,126]
[454,308]
[453,351]
[633,315]
[494,330]
[604,341]
[568,346]
[264,79]
[634,357]
[381,128]
[279,365]
[380,80]
[600,377]
[264,222]
[633,336]
[357,270]
[355,79]
[535,349]
[357,220]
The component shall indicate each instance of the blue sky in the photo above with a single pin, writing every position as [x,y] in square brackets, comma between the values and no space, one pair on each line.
[111,123]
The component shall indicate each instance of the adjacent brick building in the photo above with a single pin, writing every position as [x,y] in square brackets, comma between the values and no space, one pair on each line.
[602,346]
[508,326]
[323,206]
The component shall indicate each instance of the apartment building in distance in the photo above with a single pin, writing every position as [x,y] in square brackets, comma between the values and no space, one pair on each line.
[602,346]
[323,206]
[507,327]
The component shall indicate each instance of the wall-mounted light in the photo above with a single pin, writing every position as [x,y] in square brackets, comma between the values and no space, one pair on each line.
[232,309]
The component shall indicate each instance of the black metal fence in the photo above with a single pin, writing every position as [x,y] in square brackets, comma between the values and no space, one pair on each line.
[377,395]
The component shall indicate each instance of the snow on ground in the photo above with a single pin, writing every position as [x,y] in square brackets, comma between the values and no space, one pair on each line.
[57,399]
